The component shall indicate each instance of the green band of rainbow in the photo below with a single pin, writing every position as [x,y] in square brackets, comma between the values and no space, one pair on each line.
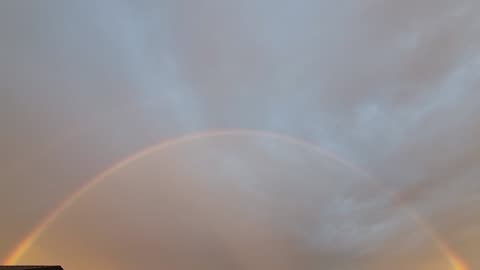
[454,260]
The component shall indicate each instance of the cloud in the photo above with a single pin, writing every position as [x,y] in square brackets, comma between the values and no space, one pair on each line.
[389,85]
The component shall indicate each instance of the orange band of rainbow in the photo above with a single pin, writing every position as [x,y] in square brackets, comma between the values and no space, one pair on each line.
[454,260]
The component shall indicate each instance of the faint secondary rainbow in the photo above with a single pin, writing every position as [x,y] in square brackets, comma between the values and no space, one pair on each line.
[22,247]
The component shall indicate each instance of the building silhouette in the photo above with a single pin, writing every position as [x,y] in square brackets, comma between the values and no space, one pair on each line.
[31,267]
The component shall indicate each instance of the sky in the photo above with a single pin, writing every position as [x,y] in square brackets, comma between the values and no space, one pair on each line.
[385,86]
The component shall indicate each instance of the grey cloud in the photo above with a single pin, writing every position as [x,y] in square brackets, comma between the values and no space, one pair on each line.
[389,85]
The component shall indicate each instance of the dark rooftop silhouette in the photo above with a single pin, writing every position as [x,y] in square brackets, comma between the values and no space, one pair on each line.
[28,267]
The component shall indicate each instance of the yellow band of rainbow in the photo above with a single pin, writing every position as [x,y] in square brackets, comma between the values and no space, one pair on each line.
[454,260]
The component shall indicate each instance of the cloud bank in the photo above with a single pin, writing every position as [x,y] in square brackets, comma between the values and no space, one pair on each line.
[389,85]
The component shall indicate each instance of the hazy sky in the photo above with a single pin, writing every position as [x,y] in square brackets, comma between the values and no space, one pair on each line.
[387,85]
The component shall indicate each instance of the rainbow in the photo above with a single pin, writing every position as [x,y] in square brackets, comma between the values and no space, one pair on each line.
[24,245]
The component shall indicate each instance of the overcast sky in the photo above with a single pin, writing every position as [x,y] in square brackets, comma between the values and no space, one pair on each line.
[391,86]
